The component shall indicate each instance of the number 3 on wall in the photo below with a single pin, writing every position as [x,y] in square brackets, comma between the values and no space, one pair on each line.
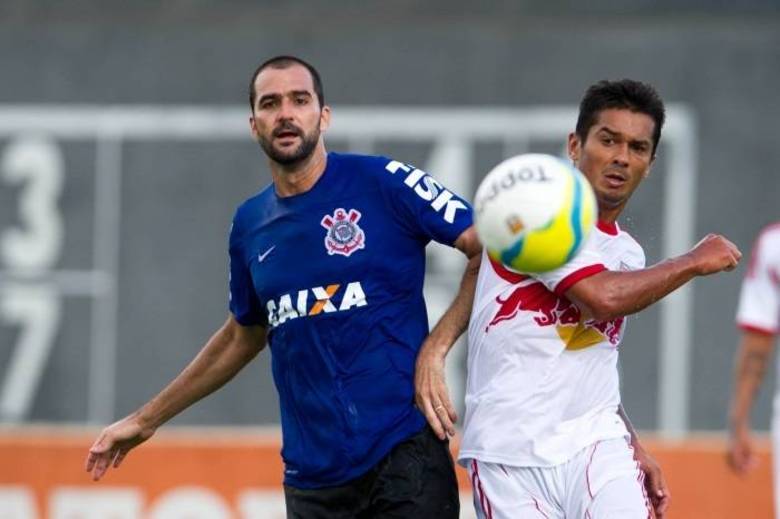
[37,164]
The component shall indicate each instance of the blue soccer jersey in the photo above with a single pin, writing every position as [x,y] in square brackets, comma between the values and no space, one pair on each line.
[336,274]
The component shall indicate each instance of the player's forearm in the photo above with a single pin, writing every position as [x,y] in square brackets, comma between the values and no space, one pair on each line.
[741,404]
[615,294]
[220,359]
[752,358]
[456,319]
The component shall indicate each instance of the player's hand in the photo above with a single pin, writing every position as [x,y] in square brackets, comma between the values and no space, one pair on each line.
[655,483]
[714,253]
[741,457]
[113,444]
[431,394]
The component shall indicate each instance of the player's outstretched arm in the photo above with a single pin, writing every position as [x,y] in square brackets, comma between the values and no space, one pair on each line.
[431,394]
[753,354]
[228,350]
[655,482]
[611,294]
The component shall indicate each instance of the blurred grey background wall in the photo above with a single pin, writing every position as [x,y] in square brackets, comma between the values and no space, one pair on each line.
[719,60]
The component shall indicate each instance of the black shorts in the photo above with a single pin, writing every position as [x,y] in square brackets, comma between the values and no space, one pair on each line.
[417,479]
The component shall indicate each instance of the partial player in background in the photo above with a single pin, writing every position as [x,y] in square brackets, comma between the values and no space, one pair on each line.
[544,433]
[327,265]
[758,316]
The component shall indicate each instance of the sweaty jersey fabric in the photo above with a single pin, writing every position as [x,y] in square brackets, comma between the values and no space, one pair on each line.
[336,274]
[542,384]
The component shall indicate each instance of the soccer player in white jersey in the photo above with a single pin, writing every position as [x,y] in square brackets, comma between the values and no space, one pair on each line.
[542,434]
[758,316]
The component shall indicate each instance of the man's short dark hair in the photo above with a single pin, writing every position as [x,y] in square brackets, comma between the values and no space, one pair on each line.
[624,94]
[282,62]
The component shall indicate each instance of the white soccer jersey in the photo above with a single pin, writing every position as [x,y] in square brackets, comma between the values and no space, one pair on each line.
[542,384]
[759,301]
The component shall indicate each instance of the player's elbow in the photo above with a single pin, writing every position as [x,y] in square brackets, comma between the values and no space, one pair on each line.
[603,314]
[604,305]
[601,297]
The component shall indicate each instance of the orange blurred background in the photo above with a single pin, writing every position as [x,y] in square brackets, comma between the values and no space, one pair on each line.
[237,473]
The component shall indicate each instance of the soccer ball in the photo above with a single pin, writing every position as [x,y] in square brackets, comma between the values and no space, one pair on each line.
[533,212]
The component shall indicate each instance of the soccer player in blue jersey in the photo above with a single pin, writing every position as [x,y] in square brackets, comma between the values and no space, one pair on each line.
[327,266]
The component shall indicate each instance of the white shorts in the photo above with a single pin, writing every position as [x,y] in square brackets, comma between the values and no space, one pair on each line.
[602,481]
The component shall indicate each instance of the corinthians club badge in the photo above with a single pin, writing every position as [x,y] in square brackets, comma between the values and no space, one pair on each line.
[344,236]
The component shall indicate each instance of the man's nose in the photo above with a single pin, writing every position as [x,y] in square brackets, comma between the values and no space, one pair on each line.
[285,110]
[621,154]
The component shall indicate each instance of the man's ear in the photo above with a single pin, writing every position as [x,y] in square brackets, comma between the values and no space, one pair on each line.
[325,118]
[573,147]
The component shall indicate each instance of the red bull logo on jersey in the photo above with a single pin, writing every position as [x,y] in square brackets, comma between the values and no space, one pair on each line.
[343,236]
[548,309]
[314,301]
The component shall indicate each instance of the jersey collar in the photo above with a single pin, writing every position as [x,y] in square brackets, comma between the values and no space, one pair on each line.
[610,228]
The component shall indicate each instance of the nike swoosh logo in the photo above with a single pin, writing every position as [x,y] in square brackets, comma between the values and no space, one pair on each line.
[261,257]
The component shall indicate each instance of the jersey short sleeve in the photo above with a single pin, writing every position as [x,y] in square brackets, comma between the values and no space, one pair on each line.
[587,262]
[759,301]
[423,205]
[244,304]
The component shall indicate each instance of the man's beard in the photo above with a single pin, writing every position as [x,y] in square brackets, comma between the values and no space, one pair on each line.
[300,153]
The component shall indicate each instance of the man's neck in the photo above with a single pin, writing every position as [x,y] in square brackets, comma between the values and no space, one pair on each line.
[300,177]
[610,214]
